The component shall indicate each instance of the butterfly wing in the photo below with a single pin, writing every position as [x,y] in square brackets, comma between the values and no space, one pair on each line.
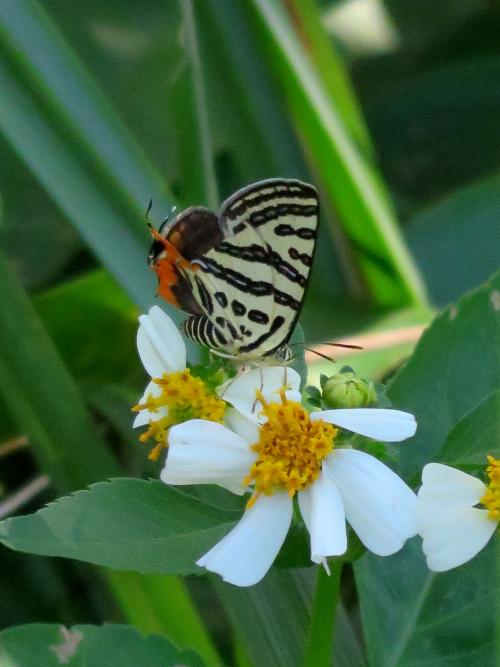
[242,275]
[262,266]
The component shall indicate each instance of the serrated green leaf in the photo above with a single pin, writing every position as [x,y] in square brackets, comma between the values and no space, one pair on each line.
[455,366]
[126,524]
[52,645]
[414,617]
[475,436]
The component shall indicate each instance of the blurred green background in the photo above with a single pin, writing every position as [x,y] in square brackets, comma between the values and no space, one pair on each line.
[389,107]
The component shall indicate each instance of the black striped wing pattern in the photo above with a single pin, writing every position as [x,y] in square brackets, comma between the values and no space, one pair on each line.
[246,286]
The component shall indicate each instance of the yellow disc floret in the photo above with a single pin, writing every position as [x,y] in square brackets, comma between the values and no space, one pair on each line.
[290,450]
[491,499]
[182,397]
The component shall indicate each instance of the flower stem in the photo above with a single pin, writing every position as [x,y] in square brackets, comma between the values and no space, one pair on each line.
[319,646]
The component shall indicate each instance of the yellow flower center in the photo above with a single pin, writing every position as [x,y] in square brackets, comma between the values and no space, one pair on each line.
[184,397]
[491,499]
[290,450]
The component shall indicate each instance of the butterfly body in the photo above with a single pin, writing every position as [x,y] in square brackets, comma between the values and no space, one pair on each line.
[241,274]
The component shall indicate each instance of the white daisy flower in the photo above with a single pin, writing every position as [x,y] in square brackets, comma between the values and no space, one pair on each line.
[174,395]
[453,529]
[286,451]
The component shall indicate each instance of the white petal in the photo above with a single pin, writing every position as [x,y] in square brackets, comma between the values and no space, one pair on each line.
[380,507]
[240,392]
[160,344]
[323,513]
[241,425]
[145,416]
[204,452]
[245,554]
[453,539]
[444,488]
[378,423]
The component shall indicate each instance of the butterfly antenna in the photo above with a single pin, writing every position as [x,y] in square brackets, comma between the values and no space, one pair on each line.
[320,354]
[345,345]
[172,211]
[148,211]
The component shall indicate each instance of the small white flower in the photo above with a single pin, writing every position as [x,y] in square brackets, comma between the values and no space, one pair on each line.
[286,451]
[162,351]
[452,528]
[173,395]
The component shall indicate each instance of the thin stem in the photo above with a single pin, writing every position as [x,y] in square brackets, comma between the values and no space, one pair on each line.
[319,647]
[24,495]
[10,446]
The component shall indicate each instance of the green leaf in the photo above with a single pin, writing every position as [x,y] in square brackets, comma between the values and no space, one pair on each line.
[98,343]
[475,436]
[350,181]
[412,616]
[159,603]
[52,645]
[456,364]
[440,239]
[272,617]
[126,524]
[65,130]
[43,398]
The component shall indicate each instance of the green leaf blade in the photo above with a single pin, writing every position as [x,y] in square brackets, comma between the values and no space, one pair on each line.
[82,645]
[125,524]
[455,366]
[475,436]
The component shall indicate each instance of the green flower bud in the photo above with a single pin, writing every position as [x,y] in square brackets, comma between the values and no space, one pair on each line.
[346,390]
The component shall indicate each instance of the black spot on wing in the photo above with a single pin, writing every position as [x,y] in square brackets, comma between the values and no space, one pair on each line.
[238,308]
[221,299]
[258,316]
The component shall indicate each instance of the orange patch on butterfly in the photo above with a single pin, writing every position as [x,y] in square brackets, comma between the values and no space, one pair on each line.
[167,267]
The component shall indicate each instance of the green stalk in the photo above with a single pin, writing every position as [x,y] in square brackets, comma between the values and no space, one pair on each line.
[160,604]
[319,646]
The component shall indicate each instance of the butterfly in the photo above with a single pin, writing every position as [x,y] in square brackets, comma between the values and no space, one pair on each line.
[241,275]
